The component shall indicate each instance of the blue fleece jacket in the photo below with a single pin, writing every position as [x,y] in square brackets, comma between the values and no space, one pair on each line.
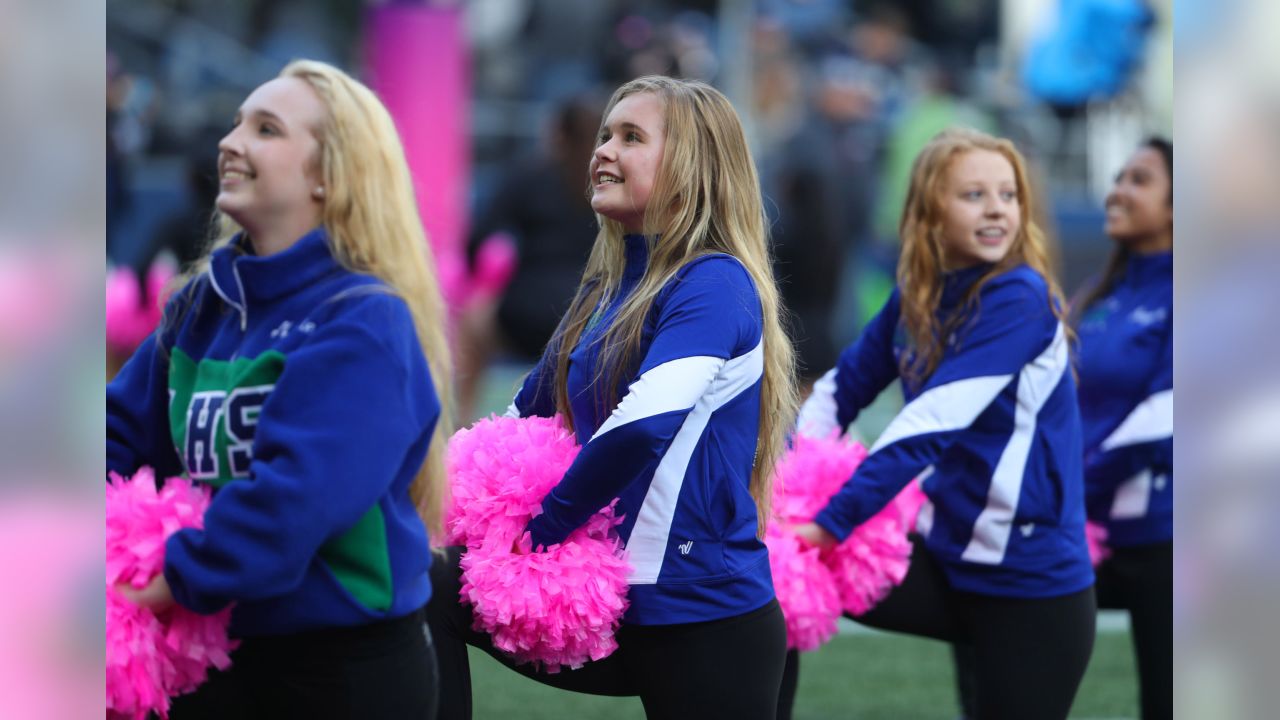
[298,390]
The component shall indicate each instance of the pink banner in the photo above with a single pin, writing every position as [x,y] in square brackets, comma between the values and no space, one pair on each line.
[417,63]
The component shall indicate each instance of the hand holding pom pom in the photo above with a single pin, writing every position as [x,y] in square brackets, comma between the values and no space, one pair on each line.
[155,650]
[156,596]
[862,568]
[559,606]
[815,535]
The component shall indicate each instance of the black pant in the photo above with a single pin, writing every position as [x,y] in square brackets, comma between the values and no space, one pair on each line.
[383,670]
[728,668]
[1029,654]
[1140,580]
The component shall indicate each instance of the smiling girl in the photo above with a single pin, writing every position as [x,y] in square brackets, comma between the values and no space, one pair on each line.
[975,332]
[1125,321]
[673,370]
[298,374]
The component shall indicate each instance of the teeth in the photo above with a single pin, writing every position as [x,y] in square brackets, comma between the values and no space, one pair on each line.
[234,175]
[991,232]
[607,178]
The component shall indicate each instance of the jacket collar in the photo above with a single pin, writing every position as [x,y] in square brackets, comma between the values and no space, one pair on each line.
[242,278]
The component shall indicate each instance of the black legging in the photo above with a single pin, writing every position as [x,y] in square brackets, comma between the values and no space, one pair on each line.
[1030,654]
[1140,580]
[383,670]
[728,668]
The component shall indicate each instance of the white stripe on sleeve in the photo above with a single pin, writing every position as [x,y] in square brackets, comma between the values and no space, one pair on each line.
[947,407]
[1151,420]
[673,385]
[818,416]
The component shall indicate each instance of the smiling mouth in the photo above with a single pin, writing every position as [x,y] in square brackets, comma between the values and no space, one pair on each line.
[605,178]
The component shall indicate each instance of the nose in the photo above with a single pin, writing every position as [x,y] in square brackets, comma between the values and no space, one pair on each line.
[230,143]
[605,152]
[1118,190]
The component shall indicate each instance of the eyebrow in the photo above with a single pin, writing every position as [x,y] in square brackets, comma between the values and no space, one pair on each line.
[262,113]
[628,125]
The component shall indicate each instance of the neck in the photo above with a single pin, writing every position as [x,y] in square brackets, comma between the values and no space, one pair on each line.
[276,238]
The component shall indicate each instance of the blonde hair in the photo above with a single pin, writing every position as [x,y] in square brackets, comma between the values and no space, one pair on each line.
[706,199]
[920,267]
[371,217]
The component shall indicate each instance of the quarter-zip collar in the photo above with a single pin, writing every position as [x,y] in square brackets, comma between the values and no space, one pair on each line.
[1143,268]
[955,284]
[637,258]
[242,278]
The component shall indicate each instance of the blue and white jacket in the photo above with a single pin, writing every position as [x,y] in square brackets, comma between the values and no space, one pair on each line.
[994,433]
[677,451]
[1126,403]
[298,390]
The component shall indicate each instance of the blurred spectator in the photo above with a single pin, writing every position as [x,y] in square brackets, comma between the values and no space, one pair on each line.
[185,232]
[117,186]
[541,203]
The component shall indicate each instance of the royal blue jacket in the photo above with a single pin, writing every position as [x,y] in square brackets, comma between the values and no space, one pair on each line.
[299,391]
[1126,403]
[994,432]
[677,450]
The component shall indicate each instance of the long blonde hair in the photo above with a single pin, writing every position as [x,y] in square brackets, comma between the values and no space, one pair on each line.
[371,217]
[920,267]
[706,199]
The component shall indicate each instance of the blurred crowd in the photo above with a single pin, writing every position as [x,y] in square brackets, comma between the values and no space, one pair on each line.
[839,96]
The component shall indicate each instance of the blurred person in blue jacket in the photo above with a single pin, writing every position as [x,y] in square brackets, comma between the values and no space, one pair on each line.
[1125,326]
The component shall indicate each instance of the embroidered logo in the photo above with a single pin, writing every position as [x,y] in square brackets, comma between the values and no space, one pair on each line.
[234,417]
[1027,529]
[1144,317]
[685,547]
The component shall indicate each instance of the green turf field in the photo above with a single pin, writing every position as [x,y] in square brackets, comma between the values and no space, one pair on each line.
[862,676]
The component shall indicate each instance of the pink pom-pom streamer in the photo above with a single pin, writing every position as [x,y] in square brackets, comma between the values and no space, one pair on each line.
[130,317]
[499,471]
[151,658]
[556,608]
[875,557]
[496,262]
[805,588]
[1095,535]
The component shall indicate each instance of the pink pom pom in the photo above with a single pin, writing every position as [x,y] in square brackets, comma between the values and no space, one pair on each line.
[805,587]
[130,317]
[559,607]
[555,608]
[1095,535]
[874,558]
[876,555]
[810,472]
[499,471]
[496,262]
[152,658]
